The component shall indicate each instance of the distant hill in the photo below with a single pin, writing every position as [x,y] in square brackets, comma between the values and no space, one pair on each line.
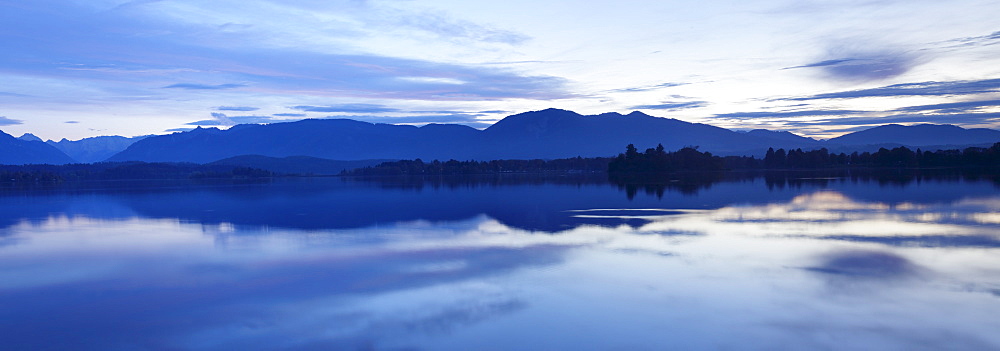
[545,134]
[550,134]
[14,151]
[556,133]
[95,149]
[782,135]
[29,137]
[919,135]
[295,164]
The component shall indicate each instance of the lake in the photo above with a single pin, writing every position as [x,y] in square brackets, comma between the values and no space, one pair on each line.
[790,262]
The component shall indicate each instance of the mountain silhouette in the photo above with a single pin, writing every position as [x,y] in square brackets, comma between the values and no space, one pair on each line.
[550,133]
[919,135]
[783,135]
[14,151]
[29,137]
[94,149]
[545,134]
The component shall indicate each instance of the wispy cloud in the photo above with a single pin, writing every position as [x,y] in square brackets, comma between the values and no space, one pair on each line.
[207,122]
[981,40]
[348,108]
[787,114]
[457,118]
[193,86]
[4,121]
[289,115]
[221,119]
[72,122]
[237,108]
[952,106]
[951,118]
[449,27]
[151,44]
[960,87]
[647,87]
[864,65]
[822,63]
[671,106]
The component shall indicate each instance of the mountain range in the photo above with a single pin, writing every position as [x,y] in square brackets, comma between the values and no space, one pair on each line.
[95,149]
[545,134]
[14,151]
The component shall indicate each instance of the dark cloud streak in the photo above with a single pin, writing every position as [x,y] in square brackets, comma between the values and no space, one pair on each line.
[348,108]
[787,114]
[864,65]
[4,121]
[193,86]
[457,118]
[952,106]
[931,88]
[237,108]
[953,118]
[648,87]
[671,106]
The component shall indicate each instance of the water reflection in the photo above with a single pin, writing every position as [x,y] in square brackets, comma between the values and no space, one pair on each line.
[333,264]
[534,203]
[866,264]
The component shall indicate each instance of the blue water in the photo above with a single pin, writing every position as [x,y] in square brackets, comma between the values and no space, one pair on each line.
[537,264]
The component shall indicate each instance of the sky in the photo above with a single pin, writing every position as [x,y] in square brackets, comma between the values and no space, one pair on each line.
[76,69]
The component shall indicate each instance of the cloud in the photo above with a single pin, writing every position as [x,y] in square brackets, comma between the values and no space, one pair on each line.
[443,25]
[822,63]
[4,121]
[952,106]
[931,88]
[982,40]
[237,108]
[253,119]
[787,114]
[647,87]
[207,122]
[72,122]
[192,86]
[150,42]
[864,65]
[349,108]
[950,118]
[671,106]
[457,118]
[289,115]
[221,119]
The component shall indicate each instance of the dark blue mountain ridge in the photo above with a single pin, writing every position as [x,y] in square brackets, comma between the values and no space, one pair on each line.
[29,137]
[781,135]
[93,149]
[14,151]
[919,135]
[548,134]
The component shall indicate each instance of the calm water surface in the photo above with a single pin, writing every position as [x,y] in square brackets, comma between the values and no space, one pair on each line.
[558,264]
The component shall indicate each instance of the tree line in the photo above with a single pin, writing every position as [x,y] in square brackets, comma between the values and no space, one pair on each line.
[657,160]
[454,167]
[124,170]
